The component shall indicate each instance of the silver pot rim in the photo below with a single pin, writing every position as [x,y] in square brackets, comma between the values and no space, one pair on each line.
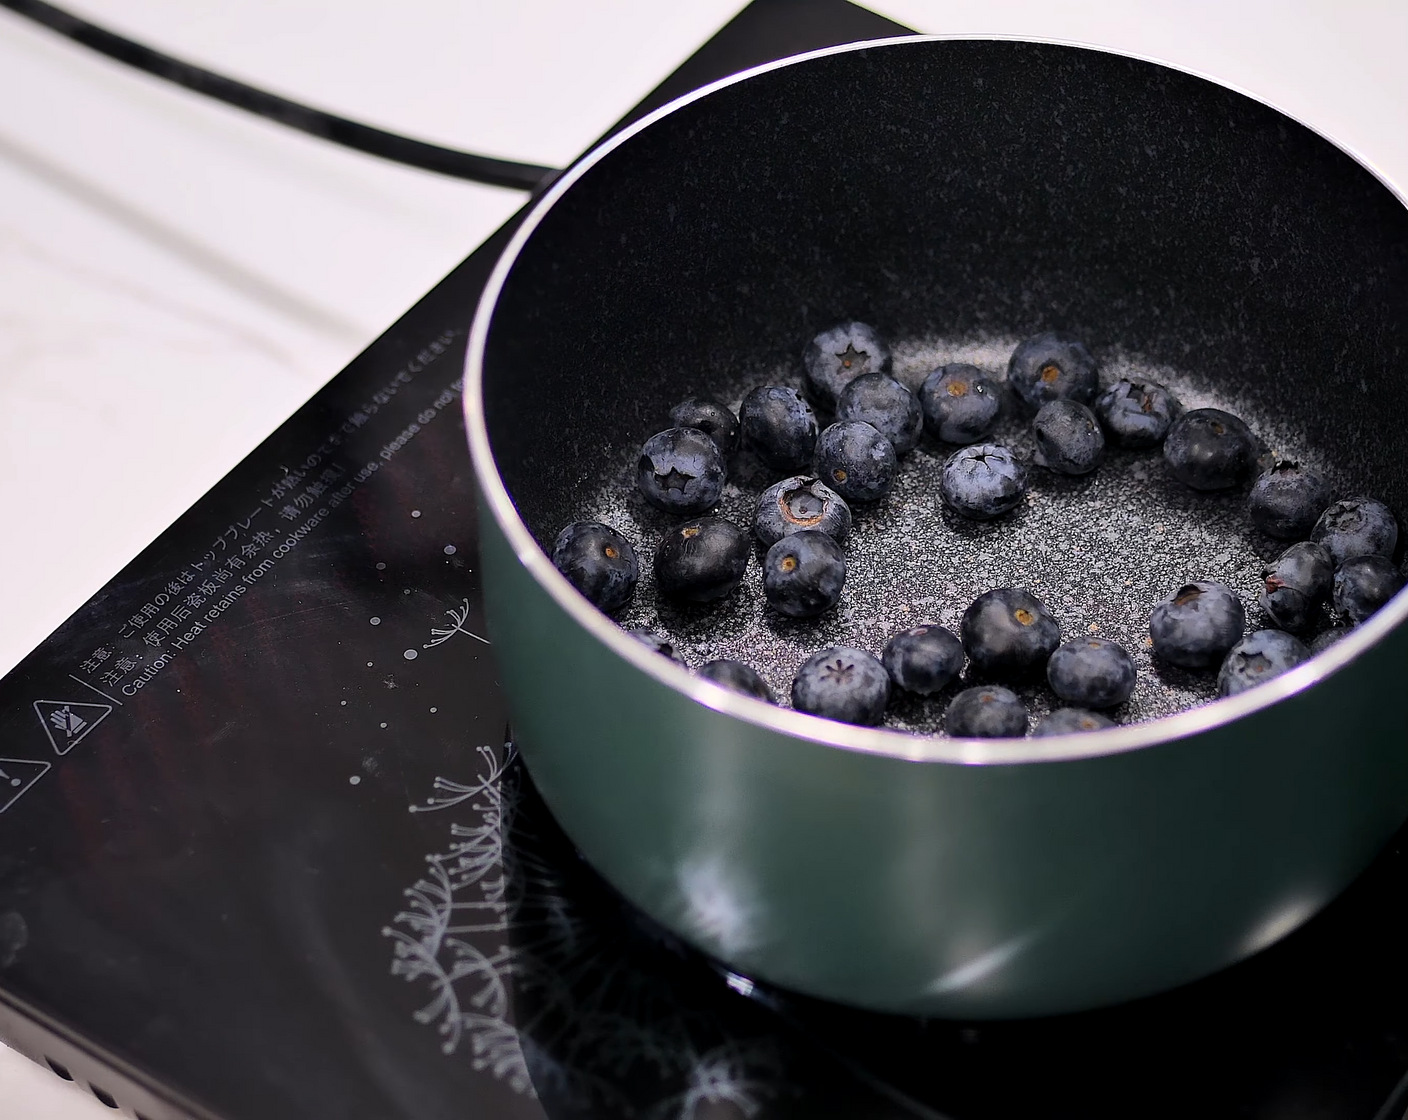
[786,721]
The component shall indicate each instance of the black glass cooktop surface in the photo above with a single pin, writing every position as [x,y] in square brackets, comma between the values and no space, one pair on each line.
[265,852]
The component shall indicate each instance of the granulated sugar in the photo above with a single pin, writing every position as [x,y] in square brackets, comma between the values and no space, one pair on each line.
[1100,550]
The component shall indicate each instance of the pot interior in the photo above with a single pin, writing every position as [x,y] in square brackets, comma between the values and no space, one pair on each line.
[960,195]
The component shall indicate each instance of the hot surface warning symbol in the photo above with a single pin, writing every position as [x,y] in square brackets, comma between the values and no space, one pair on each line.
[66,723]
[16,776]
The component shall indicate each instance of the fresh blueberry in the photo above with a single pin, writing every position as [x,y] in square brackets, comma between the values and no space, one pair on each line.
[1052,367]
[856,461]
[844,684]
[1068,438]
[739,677]
[598,561]
[923,659]
[1356,527]
[1196,625]
[803,574]
[982,481]
[1363,584]
[1137,414]
[1258,657]
[887,406]
[1286,501]
[1008,632]
[836,357]
[1071,721]
[1091,672]
[661,644]
[1324,641]
[1295,585]
[702,560]
[961,403]
[779,425]
[797,503]
[1209,449]
[681,471]
[986,712]
[711,418]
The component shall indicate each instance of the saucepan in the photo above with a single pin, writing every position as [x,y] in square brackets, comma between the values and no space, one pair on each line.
[963,189]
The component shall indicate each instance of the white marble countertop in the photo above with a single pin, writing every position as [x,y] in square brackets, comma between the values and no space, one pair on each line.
[177,277]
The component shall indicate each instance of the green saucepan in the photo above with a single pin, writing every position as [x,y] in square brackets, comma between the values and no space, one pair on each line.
[968,188]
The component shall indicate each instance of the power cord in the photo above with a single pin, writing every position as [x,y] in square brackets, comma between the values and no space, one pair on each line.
[315,122]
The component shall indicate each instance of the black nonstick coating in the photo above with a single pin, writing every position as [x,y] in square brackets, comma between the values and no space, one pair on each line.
[960,195]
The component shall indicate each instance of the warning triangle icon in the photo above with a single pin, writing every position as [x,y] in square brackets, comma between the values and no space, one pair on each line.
[67,723]
[16,776]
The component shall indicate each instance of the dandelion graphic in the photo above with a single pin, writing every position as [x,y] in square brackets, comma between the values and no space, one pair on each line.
[552,992]
[458,616]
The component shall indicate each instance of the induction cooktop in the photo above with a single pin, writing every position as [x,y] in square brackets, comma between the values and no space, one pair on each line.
[266,849]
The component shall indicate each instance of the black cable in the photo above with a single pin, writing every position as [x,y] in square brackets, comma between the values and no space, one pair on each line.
[326,126]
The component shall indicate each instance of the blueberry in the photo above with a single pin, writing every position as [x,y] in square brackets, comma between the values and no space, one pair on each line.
[1209,449]
[1324,641]
[887,406]
[739,677]
[1286,501]
[661,644]
[842,683]
[702,560]
[1356,527]
[1068,438]
[681,471]
[982,482]
[1363,584]
[1071,721]
[856,461]
[836,357]
[1052,367]
[1196,625]
[923,659]
[711,418]
[779,426]
[1258,657]
[598,561]
[803,574]
[986,712]
[961,403]
[797,503]
[1137,414]
[1295,585]
[1091,672]
[1008,632]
